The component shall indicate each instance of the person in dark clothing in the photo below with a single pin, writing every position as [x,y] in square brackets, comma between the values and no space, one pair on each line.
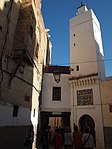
[68,141]
[77,138]
[46,138]
[29,138]
[58,140]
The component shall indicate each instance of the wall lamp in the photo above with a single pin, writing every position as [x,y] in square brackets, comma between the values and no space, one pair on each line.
[57,75]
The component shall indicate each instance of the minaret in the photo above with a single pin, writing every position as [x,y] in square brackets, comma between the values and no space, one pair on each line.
[86,50]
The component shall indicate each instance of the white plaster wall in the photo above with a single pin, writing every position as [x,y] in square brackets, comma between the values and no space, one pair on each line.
[95,87]
[96,113]
[96,98]
[7,119]
[84,50]
[97,32]
[35,107]
[47,103]
[84,33]
[99,46]
[95,110]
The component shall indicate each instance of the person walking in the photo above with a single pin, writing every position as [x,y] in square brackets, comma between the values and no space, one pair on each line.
[87,140]
[29,138]
[68,144]
[57,139]
[46,138]
[77,138]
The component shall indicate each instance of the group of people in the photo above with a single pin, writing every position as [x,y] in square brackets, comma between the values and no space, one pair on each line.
[83,140]
[64,139]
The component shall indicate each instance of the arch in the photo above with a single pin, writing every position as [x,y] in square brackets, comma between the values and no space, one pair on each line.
[86,121]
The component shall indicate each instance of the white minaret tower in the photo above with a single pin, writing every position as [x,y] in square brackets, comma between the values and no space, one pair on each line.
[86,51]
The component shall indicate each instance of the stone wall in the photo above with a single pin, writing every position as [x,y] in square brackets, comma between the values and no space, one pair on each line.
[106,96]
[23,52]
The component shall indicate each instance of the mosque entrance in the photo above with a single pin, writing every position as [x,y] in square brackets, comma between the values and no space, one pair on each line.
[55,119]
[86,121]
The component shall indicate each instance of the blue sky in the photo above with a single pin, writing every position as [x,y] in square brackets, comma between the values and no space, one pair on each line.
[57,13]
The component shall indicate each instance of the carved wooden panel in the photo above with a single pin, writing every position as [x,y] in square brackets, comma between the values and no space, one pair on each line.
[85,97]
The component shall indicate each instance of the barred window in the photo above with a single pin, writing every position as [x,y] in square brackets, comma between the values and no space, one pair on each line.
[77,67]
[31,31]
[15,110]
[56,96]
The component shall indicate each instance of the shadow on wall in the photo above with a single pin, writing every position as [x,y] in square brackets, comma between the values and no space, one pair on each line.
[13,137]
[17,51]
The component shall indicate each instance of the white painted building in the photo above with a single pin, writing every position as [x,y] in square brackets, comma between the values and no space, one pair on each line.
[55,97]
[83,89]
[86,49]
[86,58]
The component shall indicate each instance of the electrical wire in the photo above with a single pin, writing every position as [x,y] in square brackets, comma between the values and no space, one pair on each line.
[78,106]
[79,62]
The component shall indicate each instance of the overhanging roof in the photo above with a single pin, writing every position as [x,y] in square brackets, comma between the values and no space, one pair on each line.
[61,69]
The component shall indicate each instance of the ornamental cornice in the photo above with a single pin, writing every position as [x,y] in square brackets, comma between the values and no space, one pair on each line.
[81,82]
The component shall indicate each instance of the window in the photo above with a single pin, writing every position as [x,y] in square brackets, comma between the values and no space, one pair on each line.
[77,68]
[31,31]
[56,94]
[0,28]
[74,44]
[27,98]
[36,51]
[15,110]
[33,112]
[74,35]
[110,108]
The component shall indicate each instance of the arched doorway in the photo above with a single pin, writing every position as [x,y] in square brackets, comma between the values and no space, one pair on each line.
[86,121]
